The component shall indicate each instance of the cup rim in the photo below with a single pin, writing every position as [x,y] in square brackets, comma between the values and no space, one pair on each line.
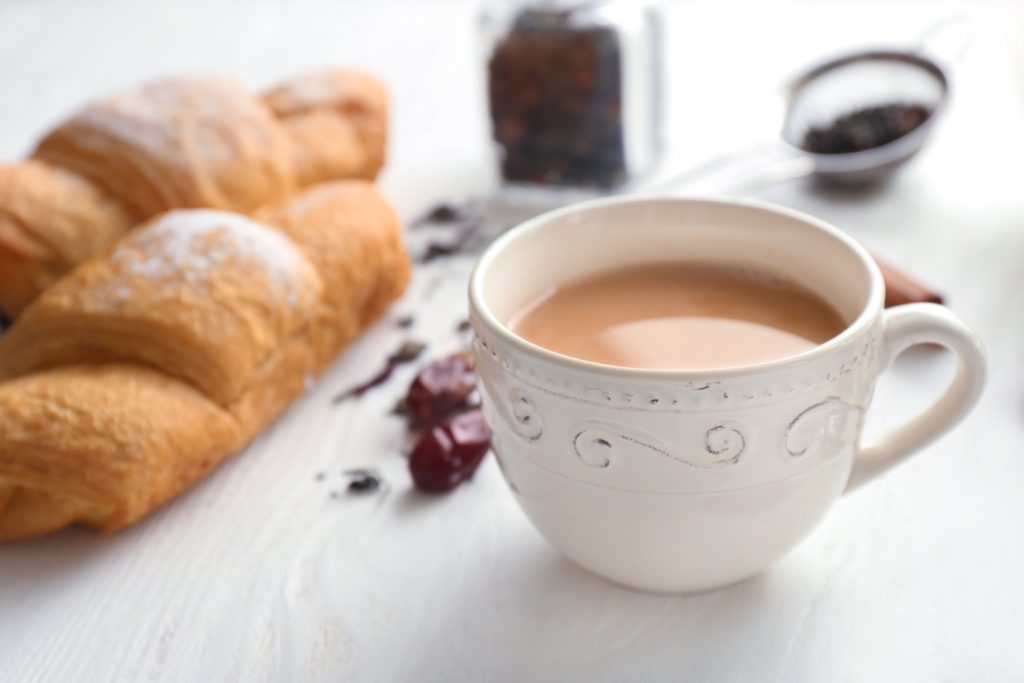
[478,303]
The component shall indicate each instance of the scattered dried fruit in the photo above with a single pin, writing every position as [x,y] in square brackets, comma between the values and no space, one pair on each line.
[440,389]
[449,453]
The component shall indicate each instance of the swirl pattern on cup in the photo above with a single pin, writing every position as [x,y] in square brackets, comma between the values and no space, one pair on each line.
[596,443]
[822,429]
[527,420]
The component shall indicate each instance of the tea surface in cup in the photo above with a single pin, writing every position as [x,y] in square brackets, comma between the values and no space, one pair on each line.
[678,316]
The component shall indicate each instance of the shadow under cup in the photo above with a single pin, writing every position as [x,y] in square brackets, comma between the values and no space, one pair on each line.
[670,480]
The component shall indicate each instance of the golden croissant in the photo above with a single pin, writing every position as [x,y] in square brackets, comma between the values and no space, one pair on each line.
[141,370]
[180,142]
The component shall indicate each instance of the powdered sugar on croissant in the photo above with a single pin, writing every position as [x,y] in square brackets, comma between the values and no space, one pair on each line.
[186,141]
[202,295]
[179,142]
[189,248]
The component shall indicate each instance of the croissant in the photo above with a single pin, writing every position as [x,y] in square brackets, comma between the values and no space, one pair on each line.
[180,142]
[50,219]
[143,369]
[337,122]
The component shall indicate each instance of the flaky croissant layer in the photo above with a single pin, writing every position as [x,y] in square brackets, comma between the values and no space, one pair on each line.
[143,369]
[178,142]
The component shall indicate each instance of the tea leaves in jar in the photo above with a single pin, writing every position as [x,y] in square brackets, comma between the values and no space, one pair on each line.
[555,90]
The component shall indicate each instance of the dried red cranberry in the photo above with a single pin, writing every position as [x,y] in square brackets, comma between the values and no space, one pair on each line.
[449,453]
[440,389]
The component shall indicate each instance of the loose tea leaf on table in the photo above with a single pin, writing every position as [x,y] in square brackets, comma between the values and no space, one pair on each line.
[441,213]
[363,480]
[406,353]
[437,250]
[460,226]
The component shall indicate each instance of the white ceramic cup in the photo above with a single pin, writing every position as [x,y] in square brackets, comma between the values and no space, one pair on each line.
[678,481]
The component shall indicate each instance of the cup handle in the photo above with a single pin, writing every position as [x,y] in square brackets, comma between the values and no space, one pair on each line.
[907,326]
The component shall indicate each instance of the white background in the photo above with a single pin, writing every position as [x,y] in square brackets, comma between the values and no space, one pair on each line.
[258,574]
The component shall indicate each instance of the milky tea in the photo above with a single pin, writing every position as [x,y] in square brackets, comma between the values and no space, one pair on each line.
[678,316]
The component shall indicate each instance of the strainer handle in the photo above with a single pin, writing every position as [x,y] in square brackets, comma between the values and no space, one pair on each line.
[741,171]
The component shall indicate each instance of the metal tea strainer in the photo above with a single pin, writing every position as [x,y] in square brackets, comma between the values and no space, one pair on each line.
[830,90]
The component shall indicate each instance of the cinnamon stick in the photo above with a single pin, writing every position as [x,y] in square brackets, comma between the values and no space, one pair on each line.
[901,288]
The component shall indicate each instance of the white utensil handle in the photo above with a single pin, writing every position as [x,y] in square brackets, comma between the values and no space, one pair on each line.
[740,171]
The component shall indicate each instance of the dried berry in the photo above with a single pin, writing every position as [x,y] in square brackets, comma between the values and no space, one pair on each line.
[440,389]
[449,453]
[865,129]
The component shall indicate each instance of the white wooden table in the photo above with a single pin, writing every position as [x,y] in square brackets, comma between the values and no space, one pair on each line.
[258,574]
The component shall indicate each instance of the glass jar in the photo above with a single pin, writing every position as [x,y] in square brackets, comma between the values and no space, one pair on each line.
[574,91]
